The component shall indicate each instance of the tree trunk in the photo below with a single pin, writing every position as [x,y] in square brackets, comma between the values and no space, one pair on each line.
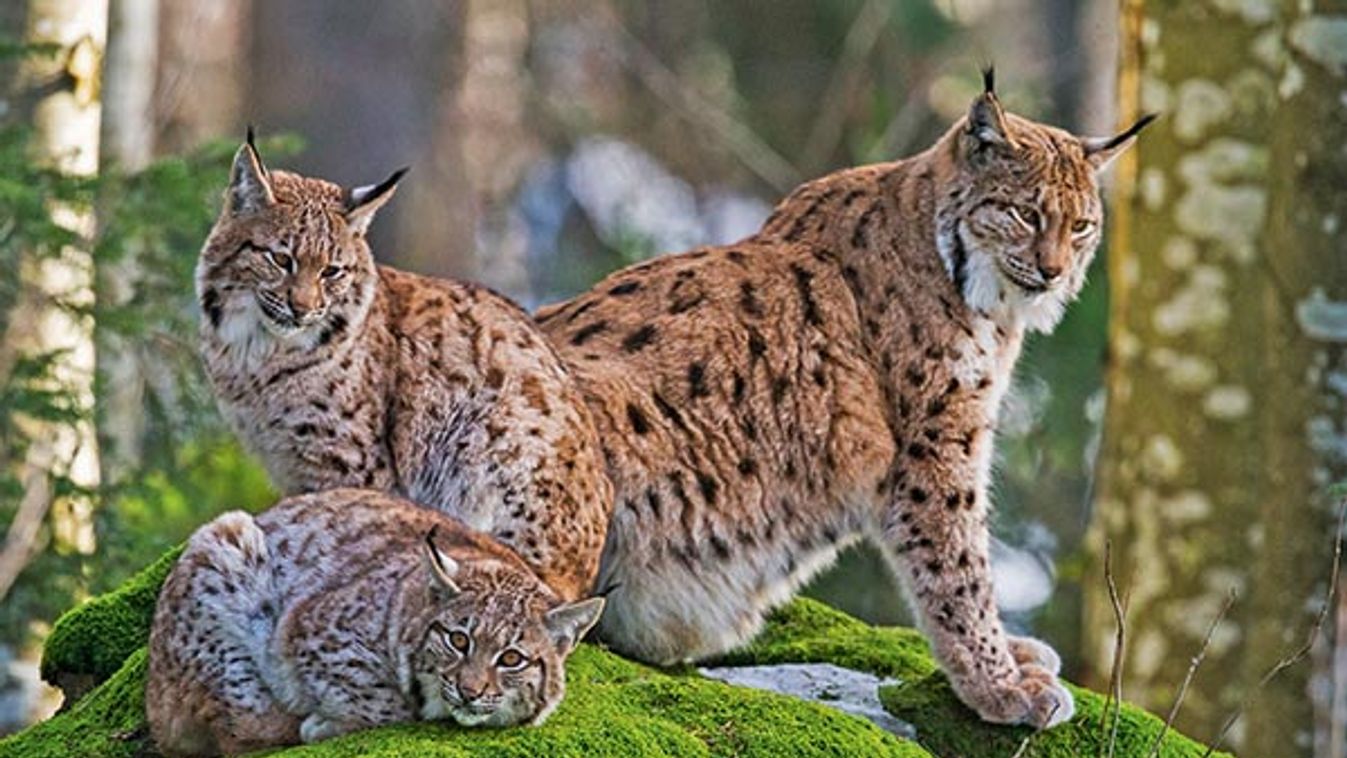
[128,144]
[203,64]
[459,207]
[1225,420]
[66,124]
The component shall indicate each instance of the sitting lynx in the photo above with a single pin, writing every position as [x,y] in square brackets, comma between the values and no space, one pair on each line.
[837,376]
[344,610]
[338,372]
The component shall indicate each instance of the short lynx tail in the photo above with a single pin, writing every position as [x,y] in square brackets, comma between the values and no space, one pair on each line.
[234,576]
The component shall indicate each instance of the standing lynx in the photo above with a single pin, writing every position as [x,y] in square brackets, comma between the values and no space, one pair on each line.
[836,377]
[344,610]
[338,372]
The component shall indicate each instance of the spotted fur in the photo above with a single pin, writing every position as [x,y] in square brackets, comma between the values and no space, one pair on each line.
[344,610]
[836,377]
[338,372]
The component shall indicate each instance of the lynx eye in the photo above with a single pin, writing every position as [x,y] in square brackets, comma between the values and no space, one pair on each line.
[333,272]
[511,659]
[1082,226]
[281,260]
[459,640]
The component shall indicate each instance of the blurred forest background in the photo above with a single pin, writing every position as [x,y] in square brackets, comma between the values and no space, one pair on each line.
[1190,410]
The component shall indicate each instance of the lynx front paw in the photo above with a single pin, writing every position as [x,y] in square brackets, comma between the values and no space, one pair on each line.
[316,728]
[1036,698]
[1027,650]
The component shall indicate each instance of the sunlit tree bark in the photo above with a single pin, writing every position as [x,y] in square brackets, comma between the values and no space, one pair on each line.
[48,320]
[128,143]
[1225,423]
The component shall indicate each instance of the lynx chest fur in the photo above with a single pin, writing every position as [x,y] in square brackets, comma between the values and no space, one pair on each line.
[338,372]
[837,377]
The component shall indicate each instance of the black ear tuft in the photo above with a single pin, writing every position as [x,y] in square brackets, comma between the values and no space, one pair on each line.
[1130,132]
[251,138]
[362,195]
[989,79]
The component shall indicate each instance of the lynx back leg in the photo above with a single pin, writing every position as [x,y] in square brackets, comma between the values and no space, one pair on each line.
[206,693]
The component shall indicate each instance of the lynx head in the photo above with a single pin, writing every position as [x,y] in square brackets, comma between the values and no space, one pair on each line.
[288,254]
[1020,226]
[494,651]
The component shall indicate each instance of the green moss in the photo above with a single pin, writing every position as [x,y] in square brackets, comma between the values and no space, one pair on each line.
[94,639]
[945,727]
[109,722]
[807,631]
[614,706]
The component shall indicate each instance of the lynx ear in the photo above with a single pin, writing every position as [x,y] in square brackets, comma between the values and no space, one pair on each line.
[986,123]
[443,569]
[568,623]
[365,201]
[249,189]
[1101,151]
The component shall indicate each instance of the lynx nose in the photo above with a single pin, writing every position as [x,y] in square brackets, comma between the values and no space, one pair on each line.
[306,304]
[1050,271]
[468,694]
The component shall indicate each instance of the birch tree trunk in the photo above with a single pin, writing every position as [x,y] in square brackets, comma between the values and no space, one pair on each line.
[66,128]
[1225,423]
[128,143]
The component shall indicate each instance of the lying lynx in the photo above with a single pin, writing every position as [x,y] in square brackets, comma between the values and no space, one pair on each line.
[338,372]
[344,610]
[835,377]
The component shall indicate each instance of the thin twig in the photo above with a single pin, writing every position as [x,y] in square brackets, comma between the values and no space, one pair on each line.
[1304,649]
[1114,698]
[859,44]
[1024,743]
[1192,670]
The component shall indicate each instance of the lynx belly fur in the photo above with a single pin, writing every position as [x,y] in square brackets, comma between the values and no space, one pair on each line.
[836,377]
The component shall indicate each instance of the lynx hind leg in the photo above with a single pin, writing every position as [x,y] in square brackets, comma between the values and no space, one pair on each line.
[940,555]
[206,692]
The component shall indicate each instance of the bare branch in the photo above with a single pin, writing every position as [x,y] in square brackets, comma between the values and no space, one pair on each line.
[738,138]
[860,42]
[1192,670]
[1304,650]
[1114,699]
[21,538]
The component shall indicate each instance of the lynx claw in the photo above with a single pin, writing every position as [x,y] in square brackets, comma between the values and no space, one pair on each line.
[1050,702]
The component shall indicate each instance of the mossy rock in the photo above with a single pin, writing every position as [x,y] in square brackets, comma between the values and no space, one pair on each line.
[613,706]
[91,642]
[946,728]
